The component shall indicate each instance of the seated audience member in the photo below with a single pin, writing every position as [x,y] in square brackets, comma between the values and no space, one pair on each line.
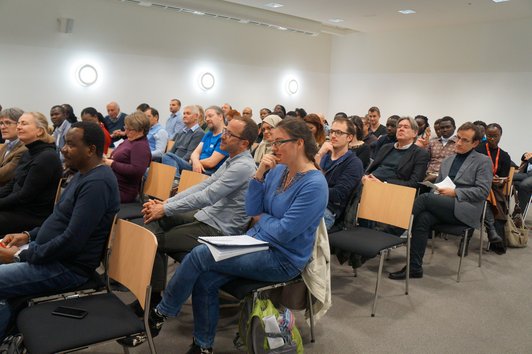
[291,114]
[231,114]
[157,135]
[343,170]
[201,119]
[301,113]
[436,129]
[28,199]
[247,113]
[315,126]
[265,147]
[357,145]
[186,140]
[114,121]
[208,156]
[368,137]
[375,127]
[212,207]
[402,163]
[143,107]
[441,147]
[389,138]
[325,124]
[523,183]
[90,114]
[64,252]
[280,111]
[13,148]
[226,107]
[288,204]
[132,157]
[472,174]
[69,113]
[482,126]
[61,127]
[174,123]
[501,164]
[264,112]
[423,135]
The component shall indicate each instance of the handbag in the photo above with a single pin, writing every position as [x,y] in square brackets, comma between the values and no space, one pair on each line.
[516,236]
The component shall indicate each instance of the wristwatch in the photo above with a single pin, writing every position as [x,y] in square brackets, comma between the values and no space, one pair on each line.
[16,258]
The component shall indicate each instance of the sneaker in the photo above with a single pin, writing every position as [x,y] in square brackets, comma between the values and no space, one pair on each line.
[155,322]
[196,349]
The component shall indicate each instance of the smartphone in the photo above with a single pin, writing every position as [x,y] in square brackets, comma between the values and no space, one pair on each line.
[69,312]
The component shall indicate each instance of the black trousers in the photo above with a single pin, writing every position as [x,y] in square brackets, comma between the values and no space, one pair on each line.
[16,221]
[429,210]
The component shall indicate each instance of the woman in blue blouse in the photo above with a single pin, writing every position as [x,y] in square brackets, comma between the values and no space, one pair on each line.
[287,203]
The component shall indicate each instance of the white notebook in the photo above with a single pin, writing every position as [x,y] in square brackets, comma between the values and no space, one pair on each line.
[223,247]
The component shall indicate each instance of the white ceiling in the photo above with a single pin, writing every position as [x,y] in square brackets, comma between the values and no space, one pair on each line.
[383,15]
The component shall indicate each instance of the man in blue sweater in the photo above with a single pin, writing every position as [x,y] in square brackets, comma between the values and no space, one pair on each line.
[65,250]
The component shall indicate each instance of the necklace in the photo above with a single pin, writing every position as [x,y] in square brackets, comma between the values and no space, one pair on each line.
[287,182]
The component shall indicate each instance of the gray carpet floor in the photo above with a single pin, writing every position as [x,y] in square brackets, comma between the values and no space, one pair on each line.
[489,311]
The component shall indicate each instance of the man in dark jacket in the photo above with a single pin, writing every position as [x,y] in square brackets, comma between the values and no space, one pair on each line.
[403,162]
[64,252]
[342,168]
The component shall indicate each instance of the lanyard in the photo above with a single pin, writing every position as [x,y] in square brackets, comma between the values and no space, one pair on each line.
[496,165]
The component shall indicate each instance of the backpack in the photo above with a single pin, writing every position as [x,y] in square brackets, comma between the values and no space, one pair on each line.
[252,336]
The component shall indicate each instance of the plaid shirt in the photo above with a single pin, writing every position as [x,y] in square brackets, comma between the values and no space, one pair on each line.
[438,152]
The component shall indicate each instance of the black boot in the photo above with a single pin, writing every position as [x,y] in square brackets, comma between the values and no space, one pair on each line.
[493,236]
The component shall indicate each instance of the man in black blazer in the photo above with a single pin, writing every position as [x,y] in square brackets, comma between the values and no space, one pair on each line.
[472,174]
[402,162]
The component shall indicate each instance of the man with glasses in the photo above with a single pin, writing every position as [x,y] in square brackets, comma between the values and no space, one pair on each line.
[213,207]
[13,148]
[343,170]
[472,174]
[402,163]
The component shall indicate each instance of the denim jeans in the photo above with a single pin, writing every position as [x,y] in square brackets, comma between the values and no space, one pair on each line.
[25,279]
[201,276]
[171,159]
[329,218]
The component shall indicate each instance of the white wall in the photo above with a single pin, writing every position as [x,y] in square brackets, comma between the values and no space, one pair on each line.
[151,55]
[476,72]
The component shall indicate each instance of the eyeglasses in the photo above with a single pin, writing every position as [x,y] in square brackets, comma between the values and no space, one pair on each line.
[7,123]
[227,132]
[278,143]
[338,132]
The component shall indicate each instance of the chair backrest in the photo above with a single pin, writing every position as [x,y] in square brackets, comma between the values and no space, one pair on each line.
[131,257]
[169,145]
[159,182]
[189,179]
[508,186]
[387,203]
[59,190]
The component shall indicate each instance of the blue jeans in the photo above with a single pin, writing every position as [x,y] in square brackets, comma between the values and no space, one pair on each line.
[25,279]
[329,218]
[201,276]
[171,159]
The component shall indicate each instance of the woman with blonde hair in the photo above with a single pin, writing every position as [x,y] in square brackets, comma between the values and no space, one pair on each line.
[28,199]
[132,157]
[265,146]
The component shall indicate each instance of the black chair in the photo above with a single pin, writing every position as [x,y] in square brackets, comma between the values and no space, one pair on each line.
[130,262]
[385,203]
[465,233]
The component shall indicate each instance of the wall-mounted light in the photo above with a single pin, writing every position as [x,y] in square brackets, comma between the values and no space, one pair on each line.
[292,86]
[206,81]
[87,75]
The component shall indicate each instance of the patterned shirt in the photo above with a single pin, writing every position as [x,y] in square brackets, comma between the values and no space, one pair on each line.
[438,152]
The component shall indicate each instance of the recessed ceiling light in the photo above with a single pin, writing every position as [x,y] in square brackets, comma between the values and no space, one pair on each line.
[336,20]
[199,13]
[273,5]
[282,28]
[145,3]
[407,12]
[501,0]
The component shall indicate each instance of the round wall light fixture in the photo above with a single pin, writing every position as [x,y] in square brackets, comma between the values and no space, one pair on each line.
[292,86]
[87,75]
[206,81]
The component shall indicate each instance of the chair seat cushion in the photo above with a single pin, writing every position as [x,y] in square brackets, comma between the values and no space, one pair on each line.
[240,287]
[364,242]
[457,230]
[129,211]
[107,318]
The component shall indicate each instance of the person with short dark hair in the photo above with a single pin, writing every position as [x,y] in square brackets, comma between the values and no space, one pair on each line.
[66,249]
[300,113]
[437,129]
[472,174]
[13,149]
[157,135]
[368,137]
[143,107]
[174,123]
[357,145]
[403,162]
[441,147]
[279,110]
[375,128]
[390,137]
[132,157]
[423,135]
[69,113]
[61,127]
[90,114]
[482,128]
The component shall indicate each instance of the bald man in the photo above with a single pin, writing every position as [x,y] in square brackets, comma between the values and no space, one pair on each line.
[114,121]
